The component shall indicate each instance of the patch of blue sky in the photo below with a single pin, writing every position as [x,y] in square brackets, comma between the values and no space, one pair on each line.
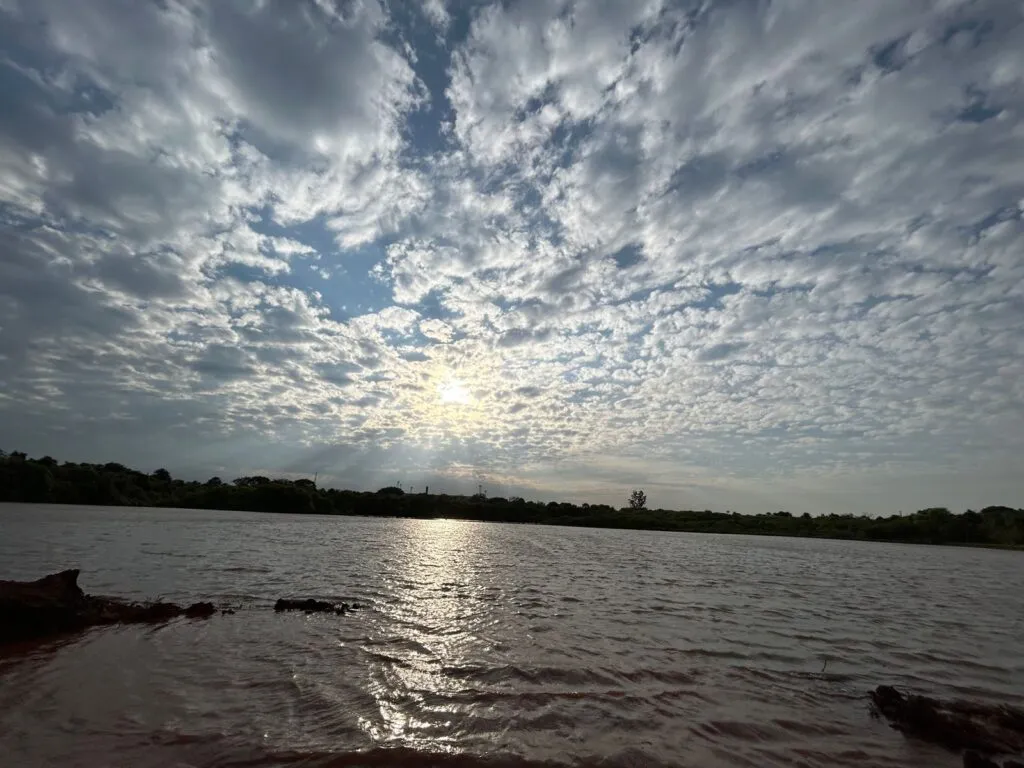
[410,27]
[998,216]
[714,295]
[566,140]
[432,306]
[628,255]
[979,108]
[345,279]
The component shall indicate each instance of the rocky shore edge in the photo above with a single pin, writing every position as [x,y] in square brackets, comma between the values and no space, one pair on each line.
[983,733]
[55,604]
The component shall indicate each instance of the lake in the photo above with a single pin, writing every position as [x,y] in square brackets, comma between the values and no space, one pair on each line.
[496,645]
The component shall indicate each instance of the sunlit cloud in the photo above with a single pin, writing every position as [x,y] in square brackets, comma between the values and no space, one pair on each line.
[454,392]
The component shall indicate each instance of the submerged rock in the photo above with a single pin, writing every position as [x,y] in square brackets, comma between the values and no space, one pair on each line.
[56,604]
[309,605]
[980,730]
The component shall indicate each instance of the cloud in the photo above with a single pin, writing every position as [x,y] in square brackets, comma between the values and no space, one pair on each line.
[438,330]
[748,255]
[438,14]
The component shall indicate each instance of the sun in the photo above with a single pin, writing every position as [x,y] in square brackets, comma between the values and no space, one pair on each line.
[453,391]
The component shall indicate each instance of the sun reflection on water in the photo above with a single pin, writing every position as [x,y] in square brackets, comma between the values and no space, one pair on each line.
[418,704]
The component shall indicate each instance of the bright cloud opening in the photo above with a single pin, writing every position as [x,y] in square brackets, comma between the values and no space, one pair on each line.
[454,391]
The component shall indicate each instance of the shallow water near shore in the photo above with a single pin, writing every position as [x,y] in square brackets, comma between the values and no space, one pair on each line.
[496,645]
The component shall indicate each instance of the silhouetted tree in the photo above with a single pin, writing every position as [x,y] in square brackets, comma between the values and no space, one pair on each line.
[41,480]
[162,475]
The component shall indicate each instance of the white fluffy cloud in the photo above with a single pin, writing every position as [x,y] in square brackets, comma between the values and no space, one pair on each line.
[753,255]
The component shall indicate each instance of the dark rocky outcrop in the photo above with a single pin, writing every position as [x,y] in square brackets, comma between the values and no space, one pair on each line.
[980,731]
[200,610]
[309,605]
[974,759]
[56,604]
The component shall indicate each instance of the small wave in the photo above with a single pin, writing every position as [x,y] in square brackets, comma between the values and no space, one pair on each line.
[245,569]
[668,676]
[810,728]
[385,658]
[939,659]
[523,702]
[398,644]
[718,730]
[535,675]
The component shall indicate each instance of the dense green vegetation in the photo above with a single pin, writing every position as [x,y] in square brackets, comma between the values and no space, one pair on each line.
[45,480]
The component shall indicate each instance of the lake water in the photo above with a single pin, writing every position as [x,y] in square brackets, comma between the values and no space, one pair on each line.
[496,645]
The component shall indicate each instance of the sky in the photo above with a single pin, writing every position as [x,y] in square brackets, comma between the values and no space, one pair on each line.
[743,254]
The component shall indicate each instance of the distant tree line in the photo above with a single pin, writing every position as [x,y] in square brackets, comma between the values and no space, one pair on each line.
[45,479]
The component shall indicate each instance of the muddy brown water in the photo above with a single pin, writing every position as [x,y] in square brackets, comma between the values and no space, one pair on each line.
[496,645]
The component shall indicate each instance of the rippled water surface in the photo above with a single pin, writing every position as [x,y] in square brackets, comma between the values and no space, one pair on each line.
[496,645]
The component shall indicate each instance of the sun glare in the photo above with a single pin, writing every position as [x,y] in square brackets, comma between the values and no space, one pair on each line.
[453,391]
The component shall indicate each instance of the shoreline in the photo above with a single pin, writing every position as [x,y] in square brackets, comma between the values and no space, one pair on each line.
[45,480]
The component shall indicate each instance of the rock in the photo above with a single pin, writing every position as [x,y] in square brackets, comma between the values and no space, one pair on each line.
[227,612]
[974,760]
[982,729]
[55,604]
[151,613]
[200,610]
[50,605]
[309,605]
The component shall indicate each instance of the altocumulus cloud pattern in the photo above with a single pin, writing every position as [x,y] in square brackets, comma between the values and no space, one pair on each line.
[746,254]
